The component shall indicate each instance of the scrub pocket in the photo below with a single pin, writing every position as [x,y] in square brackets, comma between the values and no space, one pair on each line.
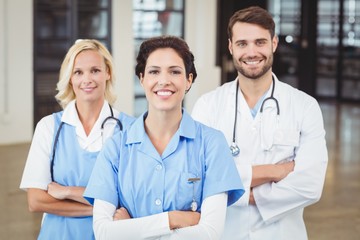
[187,191]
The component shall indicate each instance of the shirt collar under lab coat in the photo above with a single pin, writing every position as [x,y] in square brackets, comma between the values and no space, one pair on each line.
[242,102]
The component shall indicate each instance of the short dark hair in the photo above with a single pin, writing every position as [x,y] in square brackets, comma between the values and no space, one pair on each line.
[254,15]
[176,43]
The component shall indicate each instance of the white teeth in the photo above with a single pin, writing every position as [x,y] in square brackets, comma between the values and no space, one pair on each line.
[252,63]
[164,93]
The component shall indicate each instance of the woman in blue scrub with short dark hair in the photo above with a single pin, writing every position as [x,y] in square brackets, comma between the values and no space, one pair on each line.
[167,176]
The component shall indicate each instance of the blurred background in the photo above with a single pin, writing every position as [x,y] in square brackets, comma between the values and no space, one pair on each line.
[319,53]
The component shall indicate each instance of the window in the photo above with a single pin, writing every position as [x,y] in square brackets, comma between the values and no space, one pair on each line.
[287,18]
[154,18]
[338,44]
[57,24]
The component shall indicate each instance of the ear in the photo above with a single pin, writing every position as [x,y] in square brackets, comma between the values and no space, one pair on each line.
[189,82]
[70,81]
[141,79]
[275,42]
[230,46]
[107,74]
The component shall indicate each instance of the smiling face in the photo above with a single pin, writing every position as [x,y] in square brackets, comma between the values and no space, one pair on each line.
[252,50]
[89,77]
[165,80]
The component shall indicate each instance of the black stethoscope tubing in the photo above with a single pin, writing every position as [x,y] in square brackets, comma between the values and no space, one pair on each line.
[234,148]
[271,98]
[118,122]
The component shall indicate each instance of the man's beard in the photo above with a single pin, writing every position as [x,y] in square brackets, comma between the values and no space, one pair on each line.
[254,74]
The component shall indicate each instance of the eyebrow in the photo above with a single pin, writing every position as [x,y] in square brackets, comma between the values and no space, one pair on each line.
[256,40]
[262,39]
[175,66]
[82,67]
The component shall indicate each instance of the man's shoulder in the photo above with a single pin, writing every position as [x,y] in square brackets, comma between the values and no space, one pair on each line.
[220,91]
[207,132]
[296,96]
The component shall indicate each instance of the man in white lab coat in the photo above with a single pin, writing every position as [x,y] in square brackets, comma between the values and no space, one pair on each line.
[275,132]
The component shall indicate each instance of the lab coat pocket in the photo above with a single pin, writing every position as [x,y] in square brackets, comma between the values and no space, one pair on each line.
[286,137]
[285,142]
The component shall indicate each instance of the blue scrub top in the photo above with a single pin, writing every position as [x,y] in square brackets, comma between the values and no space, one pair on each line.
[72,167]
[130,173]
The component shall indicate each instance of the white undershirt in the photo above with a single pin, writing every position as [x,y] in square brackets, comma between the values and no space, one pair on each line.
[37,169]
[211,224]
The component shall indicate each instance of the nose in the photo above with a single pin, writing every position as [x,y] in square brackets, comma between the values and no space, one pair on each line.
[251,50]
[163,80]
[86,78]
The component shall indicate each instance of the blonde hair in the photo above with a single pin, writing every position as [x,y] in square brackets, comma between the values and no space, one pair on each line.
[65,92]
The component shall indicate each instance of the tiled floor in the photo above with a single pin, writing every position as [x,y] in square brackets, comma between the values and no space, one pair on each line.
[336,216]
[16,223]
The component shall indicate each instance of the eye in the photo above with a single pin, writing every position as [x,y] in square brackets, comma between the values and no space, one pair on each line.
[77,72]
[153,72]
[261,42]
[241,44]
[95,70]
[175,72]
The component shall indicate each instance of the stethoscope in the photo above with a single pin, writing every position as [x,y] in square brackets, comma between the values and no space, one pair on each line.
[234,148]
[111,117]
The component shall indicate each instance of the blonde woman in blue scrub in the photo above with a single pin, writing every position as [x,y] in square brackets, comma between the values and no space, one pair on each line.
[65,144]
[167,176]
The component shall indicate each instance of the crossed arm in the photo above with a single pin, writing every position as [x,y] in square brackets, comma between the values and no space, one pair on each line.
[177,219]
[269,173]
[110,223]
[59,200]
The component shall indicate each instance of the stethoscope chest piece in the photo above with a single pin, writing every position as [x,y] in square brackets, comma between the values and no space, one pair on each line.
[235,150]
[194,206]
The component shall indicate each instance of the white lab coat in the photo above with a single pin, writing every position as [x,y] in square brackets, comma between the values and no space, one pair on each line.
[299,134]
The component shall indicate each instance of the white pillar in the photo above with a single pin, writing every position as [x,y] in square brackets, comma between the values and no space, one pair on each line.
[16,76]
[123,53]
[200,34]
